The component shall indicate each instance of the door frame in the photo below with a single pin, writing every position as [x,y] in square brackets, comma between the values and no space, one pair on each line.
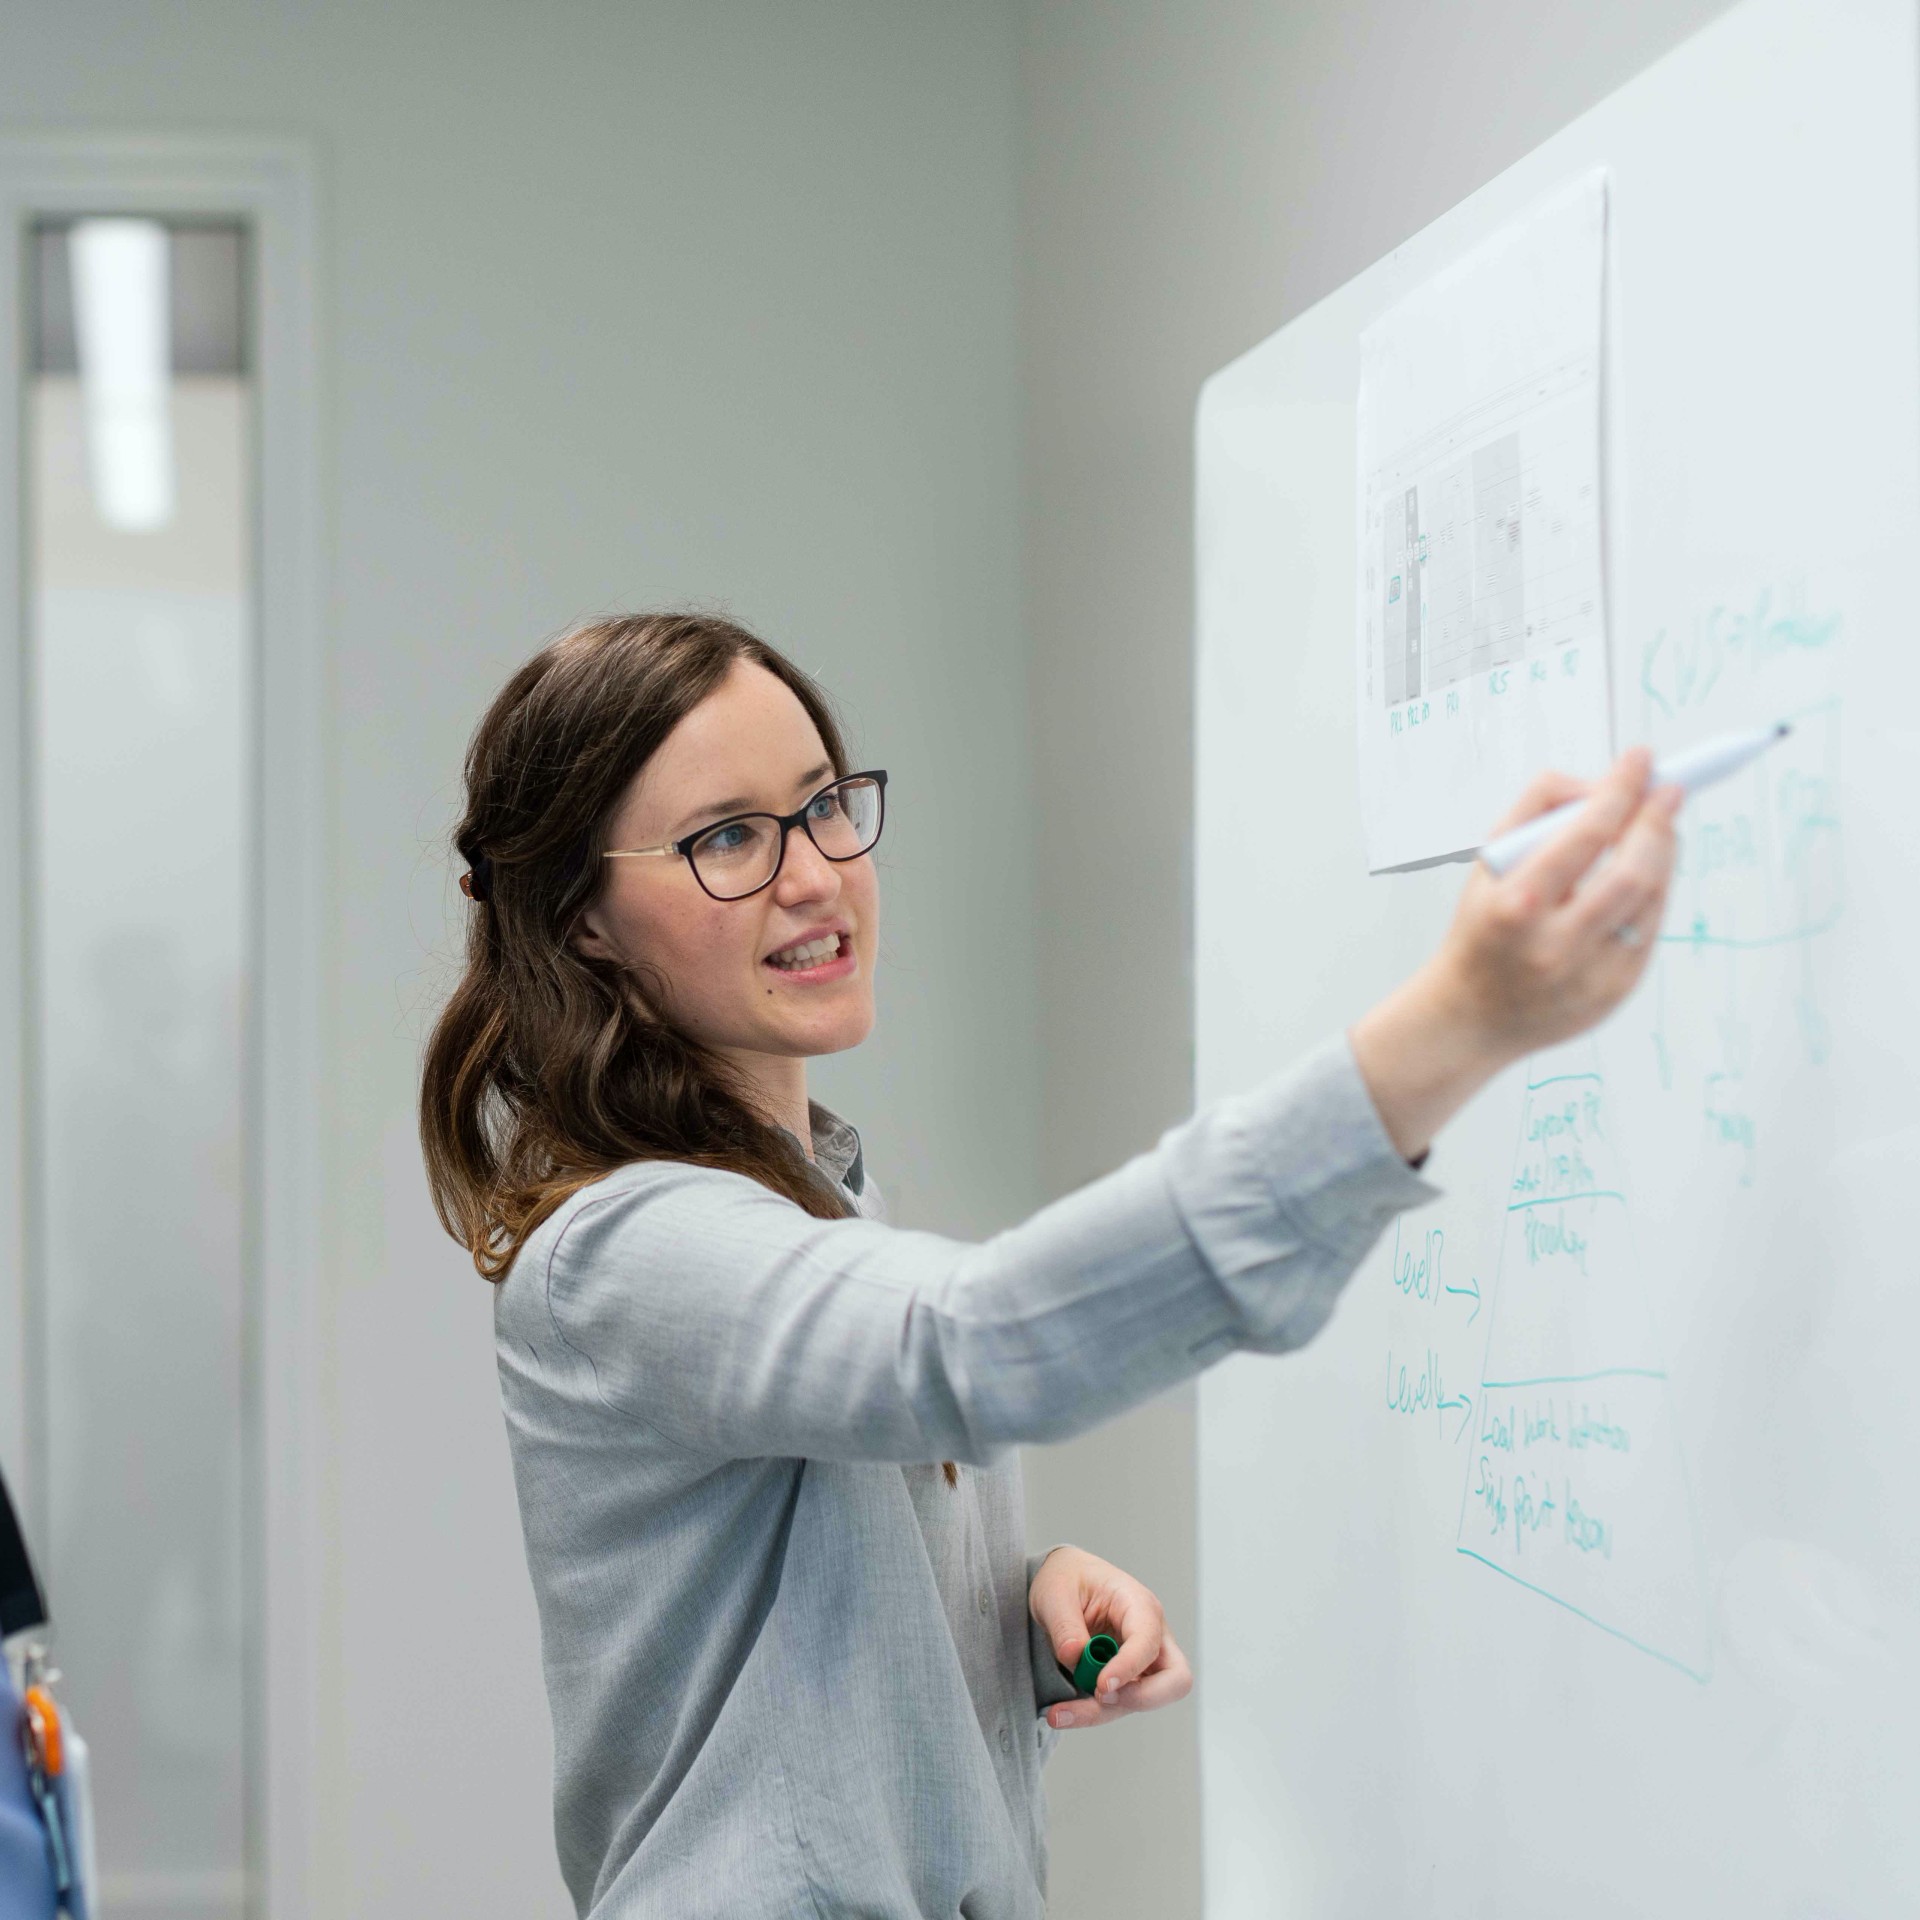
[270,186]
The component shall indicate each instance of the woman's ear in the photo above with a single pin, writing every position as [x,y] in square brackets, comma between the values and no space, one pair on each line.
[589,937]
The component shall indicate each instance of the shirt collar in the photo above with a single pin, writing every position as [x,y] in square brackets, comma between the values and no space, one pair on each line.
[836,1148]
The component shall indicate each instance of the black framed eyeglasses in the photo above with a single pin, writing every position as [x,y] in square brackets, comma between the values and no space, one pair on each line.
[740,855]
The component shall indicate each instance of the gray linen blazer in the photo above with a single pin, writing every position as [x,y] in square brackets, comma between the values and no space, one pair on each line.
[791,1671]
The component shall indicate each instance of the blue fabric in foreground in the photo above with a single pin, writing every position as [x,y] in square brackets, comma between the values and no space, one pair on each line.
[26,1870]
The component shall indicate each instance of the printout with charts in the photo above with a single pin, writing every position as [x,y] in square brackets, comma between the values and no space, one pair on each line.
[1482,637]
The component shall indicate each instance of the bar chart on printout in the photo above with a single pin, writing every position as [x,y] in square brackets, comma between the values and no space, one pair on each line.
[1485,537]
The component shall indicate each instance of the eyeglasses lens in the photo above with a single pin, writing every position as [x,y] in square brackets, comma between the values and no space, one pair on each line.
[737,856]
[845,820]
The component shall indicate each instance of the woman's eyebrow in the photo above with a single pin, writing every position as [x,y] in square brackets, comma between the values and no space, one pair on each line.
[716,810]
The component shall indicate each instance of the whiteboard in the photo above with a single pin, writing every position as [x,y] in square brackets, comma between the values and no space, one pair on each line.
[1574,1568]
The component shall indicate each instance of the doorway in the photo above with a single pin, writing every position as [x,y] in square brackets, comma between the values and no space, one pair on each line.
[160,850]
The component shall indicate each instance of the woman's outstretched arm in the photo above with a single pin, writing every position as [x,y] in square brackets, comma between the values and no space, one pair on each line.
[712,1311]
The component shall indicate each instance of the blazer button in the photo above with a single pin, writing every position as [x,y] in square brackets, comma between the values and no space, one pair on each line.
[1006,1739]
[986,1601]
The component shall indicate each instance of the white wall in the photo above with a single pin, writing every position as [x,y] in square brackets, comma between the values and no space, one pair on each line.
[621,305]
[1193,177]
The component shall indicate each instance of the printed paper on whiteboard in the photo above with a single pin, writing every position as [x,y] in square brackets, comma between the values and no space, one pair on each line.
[1482,637]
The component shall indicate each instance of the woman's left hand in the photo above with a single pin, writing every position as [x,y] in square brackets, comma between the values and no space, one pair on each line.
[1076,1595]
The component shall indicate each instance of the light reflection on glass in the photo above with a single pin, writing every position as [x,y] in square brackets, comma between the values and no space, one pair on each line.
[141,669]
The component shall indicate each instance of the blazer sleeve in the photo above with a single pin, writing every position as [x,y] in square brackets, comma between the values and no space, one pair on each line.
[733,1324]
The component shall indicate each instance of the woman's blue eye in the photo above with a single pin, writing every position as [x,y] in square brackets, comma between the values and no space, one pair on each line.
[729,839]
[824,806]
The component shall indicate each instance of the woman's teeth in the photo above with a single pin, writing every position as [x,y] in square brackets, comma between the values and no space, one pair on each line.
[809,955]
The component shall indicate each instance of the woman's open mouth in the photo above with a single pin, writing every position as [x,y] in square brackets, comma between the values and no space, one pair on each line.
[824,958]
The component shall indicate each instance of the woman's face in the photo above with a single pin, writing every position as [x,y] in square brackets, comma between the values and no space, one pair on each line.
[728,966]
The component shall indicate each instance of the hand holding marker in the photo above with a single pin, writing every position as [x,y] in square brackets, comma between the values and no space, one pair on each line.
[1698,767]
[1109,1638]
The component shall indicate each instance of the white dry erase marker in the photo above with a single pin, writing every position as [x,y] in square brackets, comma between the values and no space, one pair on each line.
[1698,767]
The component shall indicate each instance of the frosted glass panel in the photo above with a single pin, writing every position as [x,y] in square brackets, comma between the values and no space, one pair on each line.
[141,672]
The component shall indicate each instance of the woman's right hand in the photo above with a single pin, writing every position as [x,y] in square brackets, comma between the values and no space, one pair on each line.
[1533,956]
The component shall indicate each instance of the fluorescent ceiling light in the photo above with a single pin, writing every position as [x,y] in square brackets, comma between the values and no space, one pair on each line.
[120,324]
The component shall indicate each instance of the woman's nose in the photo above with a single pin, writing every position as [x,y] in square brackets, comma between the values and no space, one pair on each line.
[806,873]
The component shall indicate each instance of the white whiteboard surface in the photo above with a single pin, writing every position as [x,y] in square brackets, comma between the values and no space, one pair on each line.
[1718,1713]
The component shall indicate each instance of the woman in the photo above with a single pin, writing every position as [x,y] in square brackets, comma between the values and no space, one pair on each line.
[763,1443]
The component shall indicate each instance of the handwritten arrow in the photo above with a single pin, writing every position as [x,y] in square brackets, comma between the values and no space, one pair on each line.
[1472,1290]
[1458,1400]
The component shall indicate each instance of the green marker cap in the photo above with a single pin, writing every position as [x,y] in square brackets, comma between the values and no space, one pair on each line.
[1093,1656]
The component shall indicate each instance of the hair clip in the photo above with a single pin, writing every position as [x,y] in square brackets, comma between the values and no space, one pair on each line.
[478,883]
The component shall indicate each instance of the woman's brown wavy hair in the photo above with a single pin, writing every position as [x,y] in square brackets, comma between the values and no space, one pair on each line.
[547,1068]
